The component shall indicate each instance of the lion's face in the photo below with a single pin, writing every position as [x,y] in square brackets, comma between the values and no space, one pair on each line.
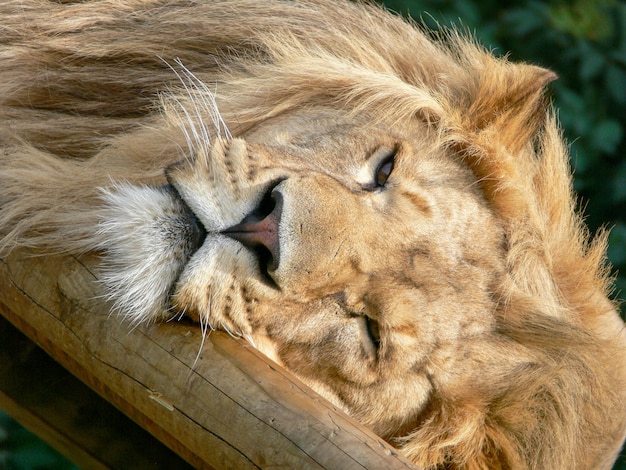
[361,257]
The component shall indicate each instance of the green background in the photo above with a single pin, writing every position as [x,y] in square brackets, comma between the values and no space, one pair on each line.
[584,41]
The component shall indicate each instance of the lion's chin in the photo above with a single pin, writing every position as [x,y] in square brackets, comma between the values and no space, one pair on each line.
[147,235]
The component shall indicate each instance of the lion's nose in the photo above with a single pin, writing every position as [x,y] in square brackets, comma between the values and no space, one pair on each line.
[259,231]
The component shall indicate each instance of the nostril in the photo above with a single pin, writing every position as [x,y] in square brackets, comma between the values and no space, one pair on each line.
[266,263]
[259,231]
[267,204]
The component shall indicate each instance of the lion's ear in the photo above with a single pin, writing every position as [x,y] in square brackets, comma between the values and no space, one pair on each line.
[507,102]
[500,123]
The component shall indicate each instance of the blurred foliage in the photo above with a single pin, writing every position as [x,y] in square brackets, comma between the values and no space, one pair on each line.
[584,41]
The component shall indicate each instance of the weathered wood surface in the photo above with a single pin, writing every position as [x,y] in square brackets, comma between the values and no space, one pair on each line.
[232,408]
[70,416]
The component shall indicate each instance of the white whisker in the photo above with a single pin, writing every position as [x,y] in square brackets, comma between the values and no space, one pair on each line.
[193,116]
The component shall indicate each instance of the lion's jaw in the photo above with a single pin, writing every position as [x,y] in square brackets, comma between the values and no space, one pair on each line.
[373,289]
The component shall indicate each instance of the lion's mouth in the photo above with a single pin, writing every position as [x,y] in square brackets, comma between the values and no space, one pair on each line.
[195,233]
[258,231]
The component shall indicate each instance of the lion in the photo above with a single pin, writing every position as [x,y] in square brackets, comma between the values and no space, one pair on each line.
[385,211]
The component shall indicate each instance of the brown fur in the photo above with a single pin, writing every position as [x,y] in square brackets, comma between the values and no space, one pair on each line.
[517,358]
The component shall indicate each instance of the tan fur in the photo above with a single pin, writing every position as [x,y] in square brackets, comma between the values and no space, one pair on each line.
[498,345]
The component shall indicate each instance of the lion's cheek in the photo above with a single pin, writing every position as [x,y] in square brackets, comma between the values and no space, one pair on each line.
[319,236]
[220,287]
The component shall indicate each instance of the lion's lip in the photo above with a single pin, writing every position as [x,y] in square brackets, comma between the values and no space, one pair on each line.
[195,233]
[198,233]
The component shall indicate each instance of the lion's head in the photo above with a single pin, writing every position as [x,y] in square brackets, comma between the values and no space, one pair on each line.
[386,214]
[342,249]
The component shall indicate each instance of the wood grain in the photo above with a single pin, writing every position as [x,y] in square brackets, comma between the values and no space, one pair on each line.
[71,417]
[231,407]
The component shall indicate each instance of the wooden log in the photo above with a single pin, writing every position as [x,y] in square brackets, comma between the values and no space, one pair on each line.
[68,415]
[231,407]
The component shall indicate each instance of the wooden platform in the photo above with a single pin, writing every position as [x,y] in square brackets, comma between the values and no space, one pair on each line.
[232,408]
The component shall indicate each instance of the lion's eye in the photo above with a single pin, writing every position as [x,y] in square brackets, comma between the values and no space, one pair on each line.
[383,171]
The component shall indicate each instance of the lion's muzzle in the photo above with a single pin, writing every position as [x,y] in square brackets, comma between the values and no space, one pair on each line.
[259,231]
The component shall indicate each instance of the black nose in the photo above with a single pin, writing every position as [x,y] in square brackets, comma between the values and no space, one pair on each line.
[259,231]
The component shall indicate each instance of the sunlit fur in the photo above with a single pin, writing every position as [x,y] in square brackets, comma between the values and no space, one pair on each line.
[498,345]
